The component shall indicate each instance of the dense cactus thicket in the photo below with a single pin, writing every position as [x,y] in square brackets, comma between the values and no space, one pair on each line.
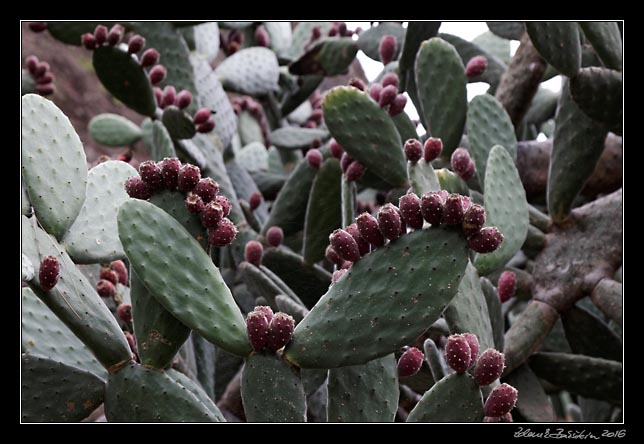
[261,249]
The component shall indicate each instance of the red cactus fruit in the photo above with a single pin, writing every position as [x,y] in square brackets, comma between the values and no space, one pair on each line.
[158,74]
[105,288]
[354,171]
[151,174]
[211,215]
[253,252]
[188,177]
[387,48]
[335,149]
[332,256]
[413,150]
[150,58]
[268,311]
[274,236]
[398,105]
[473,342]
[363,245]
[257,330]
[345,161]
[115,35]
[100,34]
[432,207]
[280,331]
[124,312]
[506,285]
[194,203]
[48,273]
[387,95]
[473,220]
[136,188]
[489,367]
[374,91]
[224,203]
[261,37]
[458,353]
[201,116]
[389,221]
[224,234]
[391,78]
[45,90]
[121,271]
[169,96]
[254,201]
[345,245]
[370,229]
[486,240]
[37,26]
[357,83]
[131,341]
[207,126]
[460,162]
[169,171]
[314,158]
[502,399]
[184,99]
[409,206]
[135,44]
[88,41]
[410,362]
[109,275]
[476,66]
[207,189]
[453,211]
[433,148]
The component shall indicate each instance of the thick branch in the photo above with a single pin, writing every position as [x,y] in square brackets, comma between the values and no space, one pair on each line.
[521,80]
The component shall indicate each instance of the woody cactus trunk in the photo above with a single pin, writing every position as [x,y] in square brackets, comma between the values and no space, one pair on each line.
[290,254]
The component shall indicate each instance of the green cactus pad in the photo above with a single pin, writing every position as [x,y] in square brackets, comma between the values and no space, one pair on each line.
[114,130]
[74,299]
[404,125]
[194,388]
[595,378]
[122,76]
[44,335]
[280,35]
[507,30]
[180,275]
[364,393]
[606,40]
[253,157]
[495,45]
[558,43]
[205,356]
[211,95]
[253,71]
[245,186]
[249,129]
[422,177]
[326,57]
[272,390]
[159,335]
[369,39]
[543,107]
[323,212]
[303,92]
[57,392]
[25,202]
[608,297]
[206,37]
[136,393]
[301,35]
[466,50]
[54,166]
[441,83]
[28,83]
[433,359]
[288,305]
[366,132]
[162,145]
[488,124]
[175,55]
[93,237]
[26,269]
[506,208]
[589,335]
[294,138]
[261,281]
[455,398]
[467,313]
[417,32]
[348,202]
[289,209]
[494,309]
[533,402]
[576,148]
[308,281]
[178,123]
[451,182]
[173,203]
[598,92]
[71,32]
[360,322]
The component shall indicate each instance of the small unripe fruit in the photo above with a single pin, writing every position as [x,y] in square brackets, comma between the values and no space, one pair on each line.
[489,367]
[88,41]
[169,96]
[374,91]
[433,148]
[370,229]
[486,240]
[124,312]
[506,285]
[158,74]
[254,201]
[410,362]
[354,171]
[188,177]
[387,48]
[502,399]
[100,34]
[335,149]
[201,116]
[345,245]
[49,272]
[253,252]
[150,58]
[398,105]
[105,288]
[314,158]
[274,236]
[207,189]
[391,78]
[337,274]
[458,353]
[280,331]
[184,99]
[135,44]
[387,95]
[224,234]
[413,150]
[115,35]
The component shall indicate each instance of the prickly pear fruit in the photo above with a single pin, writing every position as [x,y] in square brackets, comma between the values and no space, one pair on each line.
[391,78]
[37,26]
[261,36]
[398,105]
[150,58]
[254,201]
[506,285]
[100,34]
[184,99]
[410,362]
[409,205]
[363,245]
[49,272]
[476,66]
[374,91]
[473,342]
[194,203]
[274,236]
[354,172]
[88,41]
[188,177]
[332,256]
[489,367]
[158,74]
[314,158]
[501,400]
[224,203]
[169,171]
[387,48]
[389,221]
[453,211]
[169,96]
[345,161]
[473,220]
[115,35]
[357,83]
[413,150]
[109,275]
[458,353]
[131,341]
[135,44]
[462,163]
[370,230]
[201,116]
[257,330]
[224,234]
[253,252]
[136,188]
[337,275]
[387,95]
[280,331]
[268,311]
[432,207]
[335,149]
[45,90]
[207,126]
[486,240]
[124,312]
[211,215]
[105,288]
[345,245]
[207,189]
[121,270]
[151,174]
[433,148]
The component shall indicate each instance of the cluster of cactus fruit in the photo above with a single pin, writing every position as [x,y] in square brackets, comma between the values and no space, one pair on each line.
[285,253]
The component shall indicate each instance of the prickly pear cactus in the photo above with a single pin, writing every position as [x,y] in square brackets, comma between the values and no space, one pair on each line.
[271,249]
